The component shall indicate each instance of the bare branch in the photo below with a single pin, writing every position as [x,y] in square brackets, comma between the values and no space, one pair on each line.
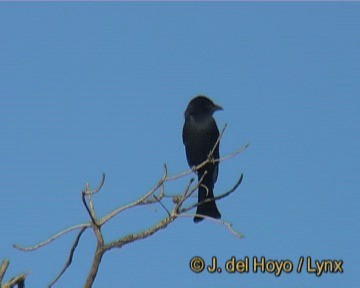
[187,194]
[210,156]
[69,260]
[3,267]
[196,168]
[177,197]
[162,191]
[141,235]
[151,197]
[19,280]
[154,199]
[136,202]
[214,198]
[99,252]
[162,205]
[101,183]
[89,208]
[227,225]
[233,154]
[188,187]
[49,240]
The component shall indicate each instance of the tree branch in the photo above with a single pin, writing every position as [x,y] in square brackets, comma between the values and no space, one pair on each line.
[214,198]
[69,260]
[227,225]
[147,199]
[19,280]
[141,235]
[3,267]
[99,252]
[210,156]
[52,238]
[136,202]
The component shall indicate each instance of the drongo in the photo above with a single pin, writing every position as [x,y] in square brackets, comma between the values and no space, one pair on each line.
[200,134]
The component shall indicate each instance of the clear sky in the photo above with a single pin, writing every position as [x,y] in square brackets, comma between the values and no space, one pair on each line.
[87,88]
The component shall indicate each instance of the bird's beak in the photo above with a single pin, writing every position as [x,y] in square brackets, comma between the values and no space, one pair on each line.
[217,108]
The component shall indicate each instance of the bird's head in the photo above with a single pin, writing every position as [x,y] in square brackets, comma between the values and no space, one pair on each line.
[201,105]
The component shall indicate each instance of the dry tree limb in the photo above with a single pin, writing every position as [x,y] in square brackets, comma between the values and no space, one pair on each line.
[69,260]
[3,267]
[88,192]
[141,235]
[96,190]
[214,198]
[147,199]
[210,156]
[188,192]
[141,200]
[65,231]
[161,204]
[99,253]
[89,208]
[233,154]
[227,225]
[52,238]
[19,280]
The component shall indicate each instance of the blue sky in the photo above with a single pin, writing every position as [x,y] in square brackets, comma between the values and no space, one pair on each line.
[88,88]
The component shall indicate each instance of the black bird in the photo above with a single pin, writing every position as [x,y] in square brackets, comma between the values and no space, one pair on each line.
[200,134]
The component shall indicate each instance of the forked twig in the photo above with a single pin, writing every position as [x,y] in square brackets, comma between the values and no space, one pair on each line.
[97,189]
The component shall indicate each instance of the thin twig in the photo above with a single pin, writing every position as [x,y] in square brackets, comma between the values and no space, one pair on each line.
[233,154]
[3,267]
[162,192]
[69,260]
[90,212]
[19,281]
[141,235]
[192,190]
[136,202]
[201,165]
[52,238]
[162,205]
[97,189]
[206,161]
[210,156]
[155,199]
[188,186]
[227,225]
[214,198]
